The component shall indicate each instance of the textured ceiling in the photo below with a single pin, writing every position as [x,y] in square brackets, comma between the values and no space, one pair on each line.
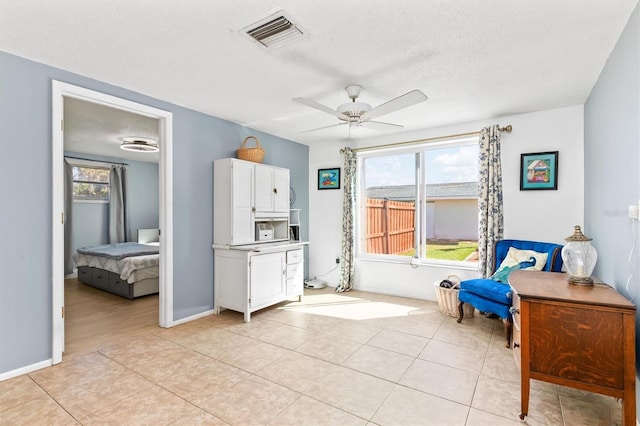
[474,59]
[99,130]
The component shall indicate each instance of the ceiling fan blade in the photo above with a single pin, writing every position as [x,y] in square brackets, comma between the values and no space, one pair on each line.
[403,101]
[380,126]
[325,127]
[318,106]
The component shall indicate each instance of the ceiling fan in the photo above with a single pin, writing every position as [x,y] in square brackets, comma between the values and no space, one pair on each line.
[357,114]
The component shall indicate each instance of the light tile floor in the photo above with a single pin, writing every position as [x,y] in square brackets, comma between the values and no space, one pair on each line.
[336,359]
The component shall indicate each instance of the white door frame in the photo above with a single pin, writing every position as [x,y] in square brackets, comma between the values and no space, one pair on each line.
[59,90]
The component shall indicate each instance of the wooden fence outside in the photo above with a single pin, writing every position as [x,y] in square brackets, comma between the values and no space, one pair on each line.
[390,226]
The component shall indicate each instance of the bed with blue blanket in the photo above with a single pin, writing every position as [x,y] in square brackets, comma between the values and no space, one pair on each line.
[127,269]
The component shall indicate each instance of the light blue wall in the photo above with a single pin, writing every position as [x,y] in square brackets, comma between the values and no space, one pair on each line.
[91,220]
[90,224]
[25,186]
[612,160]
[143,196]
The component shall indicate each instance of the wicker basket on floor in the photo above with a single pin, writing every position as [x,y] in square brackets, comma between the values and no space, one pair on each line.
[448,299]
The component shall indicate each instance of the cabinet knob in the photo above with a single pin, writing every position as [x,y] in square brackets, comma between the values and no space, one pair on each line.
[275,190]
[253,209]
[516,345]
[514,311]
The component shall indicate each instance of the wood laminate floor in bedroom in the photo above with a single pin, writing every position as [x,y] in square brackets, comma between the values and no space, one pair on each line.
[95,319]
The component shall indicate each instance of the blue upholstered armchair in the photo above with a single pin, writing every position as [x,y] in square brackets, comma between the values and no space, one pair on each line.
[492,296]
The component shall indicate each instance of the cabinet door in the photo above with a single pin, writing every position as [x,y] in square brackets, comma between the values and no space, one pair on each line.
[263,195]
[281,190]
[243,231]
[267,279]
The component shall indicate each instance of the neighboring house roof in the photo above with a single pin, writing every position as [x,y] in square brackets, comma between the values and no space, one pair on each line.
[439,191]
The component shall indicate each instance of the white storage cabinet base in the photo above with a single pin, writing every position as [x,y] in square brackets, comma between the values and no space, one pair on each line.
[249,279]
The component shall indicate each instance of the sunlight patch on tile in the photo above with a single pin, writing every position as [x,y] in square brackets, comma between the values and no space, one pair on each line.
[362,310]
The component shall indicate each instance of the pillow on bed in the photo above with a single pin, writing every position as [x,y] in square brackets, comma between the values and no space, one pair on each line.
[519,259]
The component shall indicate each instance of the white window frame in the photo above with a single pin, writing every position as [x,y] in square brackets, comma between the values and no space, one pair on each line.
[420,212]
[91,165]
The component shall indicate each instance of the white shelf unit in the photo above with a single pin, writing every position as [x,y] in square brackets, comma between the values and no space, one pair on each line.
[294,225]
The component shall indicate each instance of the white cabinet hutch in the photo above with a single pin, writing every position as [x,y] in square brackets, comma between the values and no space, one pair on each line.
[255,263]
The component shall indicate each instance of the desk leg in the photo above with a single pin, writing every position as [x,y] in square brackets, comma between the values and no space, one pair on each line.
[524,395]
[525,360]
[629,396]
[628,410]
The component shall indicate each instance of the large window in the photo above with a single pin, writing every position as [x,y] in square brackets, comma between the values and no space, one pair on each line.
[90,183]
[420,202]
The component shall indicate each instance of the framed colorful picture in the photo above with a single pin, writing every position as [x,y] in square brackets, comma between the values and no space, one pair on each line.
[539,170]
[329,178]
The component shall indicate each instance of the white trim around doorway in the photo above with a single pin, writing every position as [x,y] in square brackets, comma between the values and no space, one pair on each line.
[59,91]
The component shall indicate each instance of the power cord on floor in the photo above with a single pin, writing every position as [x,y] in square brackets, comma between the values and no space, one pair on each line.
[328,272]
[632,264]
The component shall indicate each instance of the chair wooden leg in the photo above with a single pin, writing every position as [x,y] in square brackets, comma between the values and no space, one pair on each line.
[460,312]
[507,331]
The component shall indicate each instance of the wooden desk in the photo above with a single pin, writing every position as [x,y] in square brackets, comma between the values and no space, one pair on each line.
[571,335]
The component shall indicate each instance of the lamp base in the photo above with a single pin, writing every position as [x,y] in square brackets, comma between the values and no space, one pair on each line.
[580,280]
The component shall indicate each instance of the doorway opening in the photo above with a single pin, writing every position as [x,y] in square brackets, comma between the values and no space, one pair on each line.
[60,92]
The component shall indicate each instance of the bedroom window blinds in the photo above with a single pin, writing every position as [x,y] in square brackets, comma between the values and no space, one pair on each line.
[90,183]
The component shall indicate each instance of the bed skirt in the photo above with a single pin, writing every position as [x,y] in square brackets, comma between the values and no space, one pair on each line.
[112,283]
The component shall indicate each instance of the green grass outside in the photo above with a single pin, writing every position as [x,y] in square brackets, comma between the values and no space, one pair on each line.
[447,250]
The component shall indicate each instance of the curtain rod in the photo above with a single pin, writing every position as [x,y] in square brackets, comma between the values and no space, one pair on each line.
[506,128]
[97,161]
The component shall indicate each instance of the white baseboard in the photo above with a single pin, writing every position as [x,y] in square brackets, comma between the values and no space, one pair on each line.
[74,274]
[25,370]
[192,317]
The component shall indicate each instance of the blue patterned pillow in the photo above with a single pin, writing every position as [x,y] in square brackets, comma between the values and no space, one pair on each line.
[502,274]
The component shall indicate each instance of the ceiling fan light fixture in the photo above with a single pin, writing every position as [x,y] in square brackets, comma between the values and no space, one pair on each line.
[354,109]
[139,145]
[357,113]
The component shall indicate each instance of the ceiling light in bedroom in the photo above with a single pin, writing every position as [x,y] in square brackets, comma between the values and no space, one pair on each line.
[139,145]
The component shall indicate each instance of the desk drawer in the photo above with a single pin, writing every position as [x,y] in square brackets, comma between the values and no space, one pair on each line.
[517,322]
[516,342]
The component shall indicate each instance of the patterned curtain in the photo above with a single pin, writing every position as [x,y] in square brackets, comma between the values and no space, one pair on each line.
[490,214]
[349,200]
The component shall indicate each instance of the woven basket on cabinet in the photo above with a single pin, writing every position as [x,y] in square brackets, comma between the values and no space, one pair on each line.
[448,299]
[255,154]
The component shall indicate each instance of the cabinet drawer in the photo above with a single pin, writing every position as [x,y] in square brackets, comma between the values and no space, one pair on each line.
[295,287]
[294,256]
[295,270]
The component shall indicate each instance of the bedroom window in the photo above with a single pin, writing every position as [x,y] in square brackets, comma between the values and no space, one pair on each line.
[90,184]
[419,202]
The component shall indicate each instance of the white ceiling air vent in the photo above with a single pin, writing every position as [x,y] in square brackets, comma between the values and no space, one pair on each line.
[274,31]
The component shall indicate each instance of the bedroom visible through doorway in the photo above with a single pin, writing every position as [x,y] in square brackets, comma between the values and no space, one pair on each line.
[87,117]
